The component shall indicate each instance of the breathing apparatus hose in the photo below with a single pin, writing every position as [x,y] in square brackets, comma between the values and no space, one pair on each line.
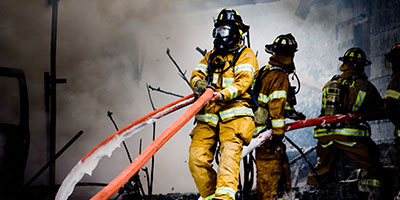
[298,82]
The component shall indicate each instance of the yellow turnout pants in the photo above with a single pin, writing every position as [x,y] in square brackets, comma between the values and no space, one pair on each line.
[273,171]
[232,135]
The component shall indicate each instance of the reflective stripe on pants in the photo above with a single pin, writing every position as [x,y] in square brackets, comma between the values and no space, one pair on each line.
[232,135]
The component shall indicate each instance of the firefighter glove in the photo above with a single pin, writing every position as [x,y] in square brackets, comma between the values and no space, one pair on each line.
[217,96]
[261,115]
[200,87]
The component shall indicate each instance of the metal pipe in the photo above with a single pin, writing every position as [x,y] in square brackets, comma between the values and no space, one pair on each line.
[109,114]
[150,182]
[181,74]
[202,52]
[53,81]
[304,157]
[162,91]
[298,157]
[53,159]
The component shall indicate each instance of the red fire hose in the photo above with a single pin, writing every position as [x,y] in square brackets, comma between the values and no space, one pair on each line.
[86,167]
[132,168]
[332,119]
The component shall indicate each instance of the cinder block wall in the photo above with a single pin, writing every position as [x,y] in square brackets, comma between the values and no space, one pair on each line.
[373,25]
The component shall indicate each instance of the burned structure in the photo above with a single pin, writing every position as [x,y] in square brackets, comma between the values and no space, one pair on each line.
[14,130]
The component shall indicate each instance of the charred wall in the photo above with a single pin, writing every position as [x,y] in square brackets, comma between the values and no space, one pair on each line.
[384,33]
[373,26]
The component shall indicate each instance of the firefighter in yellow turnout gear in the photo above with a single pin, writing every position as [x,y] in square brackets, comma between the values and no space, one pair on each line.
[392,103]
[350,92]
[273,170]
[229,69]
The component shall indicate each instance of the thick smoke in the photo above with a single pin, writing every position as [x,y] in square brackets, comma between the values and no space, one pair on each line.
[109,50]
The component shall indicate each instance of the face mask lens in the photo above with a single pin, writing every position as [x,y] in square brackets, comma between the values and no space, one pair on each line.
[223,31]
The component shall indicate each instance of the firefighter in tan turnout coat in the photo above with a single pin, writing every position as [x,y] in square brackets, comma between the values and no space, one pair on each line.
[273,170]
[229,69]
[350,92]
[392,102]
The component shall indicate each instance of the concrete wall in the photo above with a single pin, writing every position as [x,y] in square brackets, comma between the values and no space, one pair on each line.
[373,26]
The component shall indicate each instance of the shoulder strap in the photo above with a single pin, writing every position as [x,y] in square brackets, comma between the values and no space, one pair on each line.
[235,58]
[262,73]
[210,70]
[277,68]
[348,81]
[211,57]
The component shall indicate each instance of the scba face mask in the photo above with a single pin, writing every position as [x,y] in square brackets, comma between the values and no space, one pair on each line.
[225,37]
[222,31]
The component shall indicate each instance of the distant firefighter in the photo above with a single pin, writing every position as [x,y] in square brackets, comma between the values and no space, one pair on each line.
[392,102]
[229,69]
[350,92]
[276,99]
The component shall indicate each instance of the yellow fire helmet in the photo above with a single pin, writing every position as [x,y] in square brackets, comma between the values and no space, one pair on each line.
[355,56]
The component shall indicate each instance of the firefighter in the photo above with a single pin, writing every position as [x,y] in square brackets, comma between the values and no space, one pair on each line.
[392,104]
[228,119]
[350,92]
[273,170]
